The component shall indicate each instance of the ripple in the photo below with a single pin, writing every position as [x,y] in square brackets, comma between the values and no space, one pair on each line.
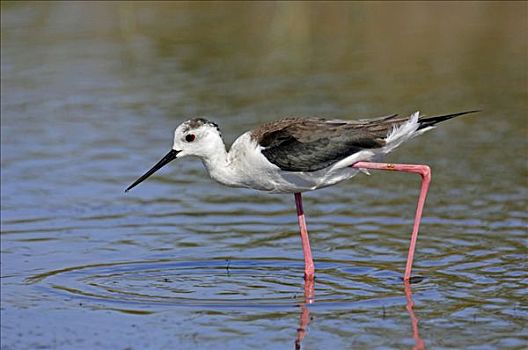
[221,283]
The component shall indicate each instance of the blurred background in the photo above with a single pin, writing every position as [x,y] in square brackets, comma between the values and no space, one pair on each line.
[91,92]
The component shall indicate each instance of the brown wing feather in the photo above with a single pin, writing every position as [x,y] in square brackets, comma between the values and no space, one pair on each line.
[310,144]
[297,144]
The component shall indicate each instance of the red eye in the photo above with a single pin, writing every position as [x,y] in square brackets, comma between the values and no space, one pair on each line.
[190,137]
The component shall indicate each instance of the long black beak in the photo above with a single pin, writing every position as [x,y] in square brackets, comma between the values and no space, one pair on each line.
[165,160]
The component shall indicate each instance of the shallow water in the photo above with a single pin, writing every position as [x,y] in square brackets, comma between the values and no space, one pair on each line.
[91,93]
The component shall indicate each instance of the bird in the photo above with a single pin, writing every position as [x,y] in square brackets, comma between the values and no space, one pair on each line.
[299,154]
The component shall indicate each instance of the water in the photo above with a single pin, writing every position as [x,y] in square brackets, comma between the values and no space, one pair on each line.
[91,93]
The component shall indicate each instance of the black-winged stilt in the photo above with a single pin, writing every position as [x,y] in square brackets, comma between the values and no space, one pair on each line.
[294,155]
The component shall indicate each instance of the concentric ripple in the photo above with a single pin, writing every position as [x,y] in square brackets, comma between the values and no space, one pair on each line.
[241,283]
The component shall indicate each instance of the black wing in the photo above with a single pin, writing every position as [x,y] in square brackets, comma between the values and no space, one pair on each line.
[311,145]
[297,144]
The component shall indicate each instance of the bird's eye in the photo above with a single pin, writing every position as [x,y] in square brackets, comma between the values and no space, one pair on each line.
[190,137]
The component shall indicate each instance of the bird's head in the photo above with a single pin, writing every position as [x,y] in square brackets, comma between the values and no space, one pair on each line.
[195,137]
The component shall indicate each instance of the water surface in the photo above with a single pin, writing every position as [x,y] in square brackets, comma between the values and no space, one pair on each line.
[91,93]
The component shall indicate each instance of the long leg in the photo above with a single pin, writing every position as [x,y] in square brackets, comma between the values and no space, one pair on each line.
[308,261]
[425,173]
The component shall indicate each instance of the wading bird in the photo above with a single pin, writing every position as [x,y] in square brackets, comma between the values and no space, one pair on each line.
[294,155]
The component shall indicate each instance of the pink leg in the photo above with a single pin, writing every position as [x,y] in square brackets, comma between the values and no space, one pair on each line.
[425,173]
[308,261]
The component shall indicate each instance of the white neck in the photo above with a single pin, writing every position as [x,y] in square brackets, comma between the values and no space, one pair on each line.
[218,167]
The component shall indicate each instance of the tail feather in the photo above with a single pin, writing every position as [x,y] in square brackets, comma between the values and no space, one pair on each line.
[431,121]
[414,126]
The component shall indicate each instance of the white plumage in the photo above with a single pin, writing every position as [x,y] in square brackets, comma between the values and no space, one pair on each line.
[283,156]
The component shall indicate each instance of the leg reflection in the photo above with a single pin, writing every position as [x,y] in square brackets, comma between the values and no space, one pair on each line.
[414,320]
[304,318]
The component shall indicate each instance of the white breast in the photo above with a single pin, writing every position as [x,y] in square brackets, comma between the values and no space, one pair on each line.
[250,168]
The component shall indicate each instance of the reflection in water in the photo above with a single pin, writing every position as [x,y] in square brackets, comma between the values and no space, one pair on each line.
[309,297]
[304,319]
[414,320]
[136,285]
[95,88]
